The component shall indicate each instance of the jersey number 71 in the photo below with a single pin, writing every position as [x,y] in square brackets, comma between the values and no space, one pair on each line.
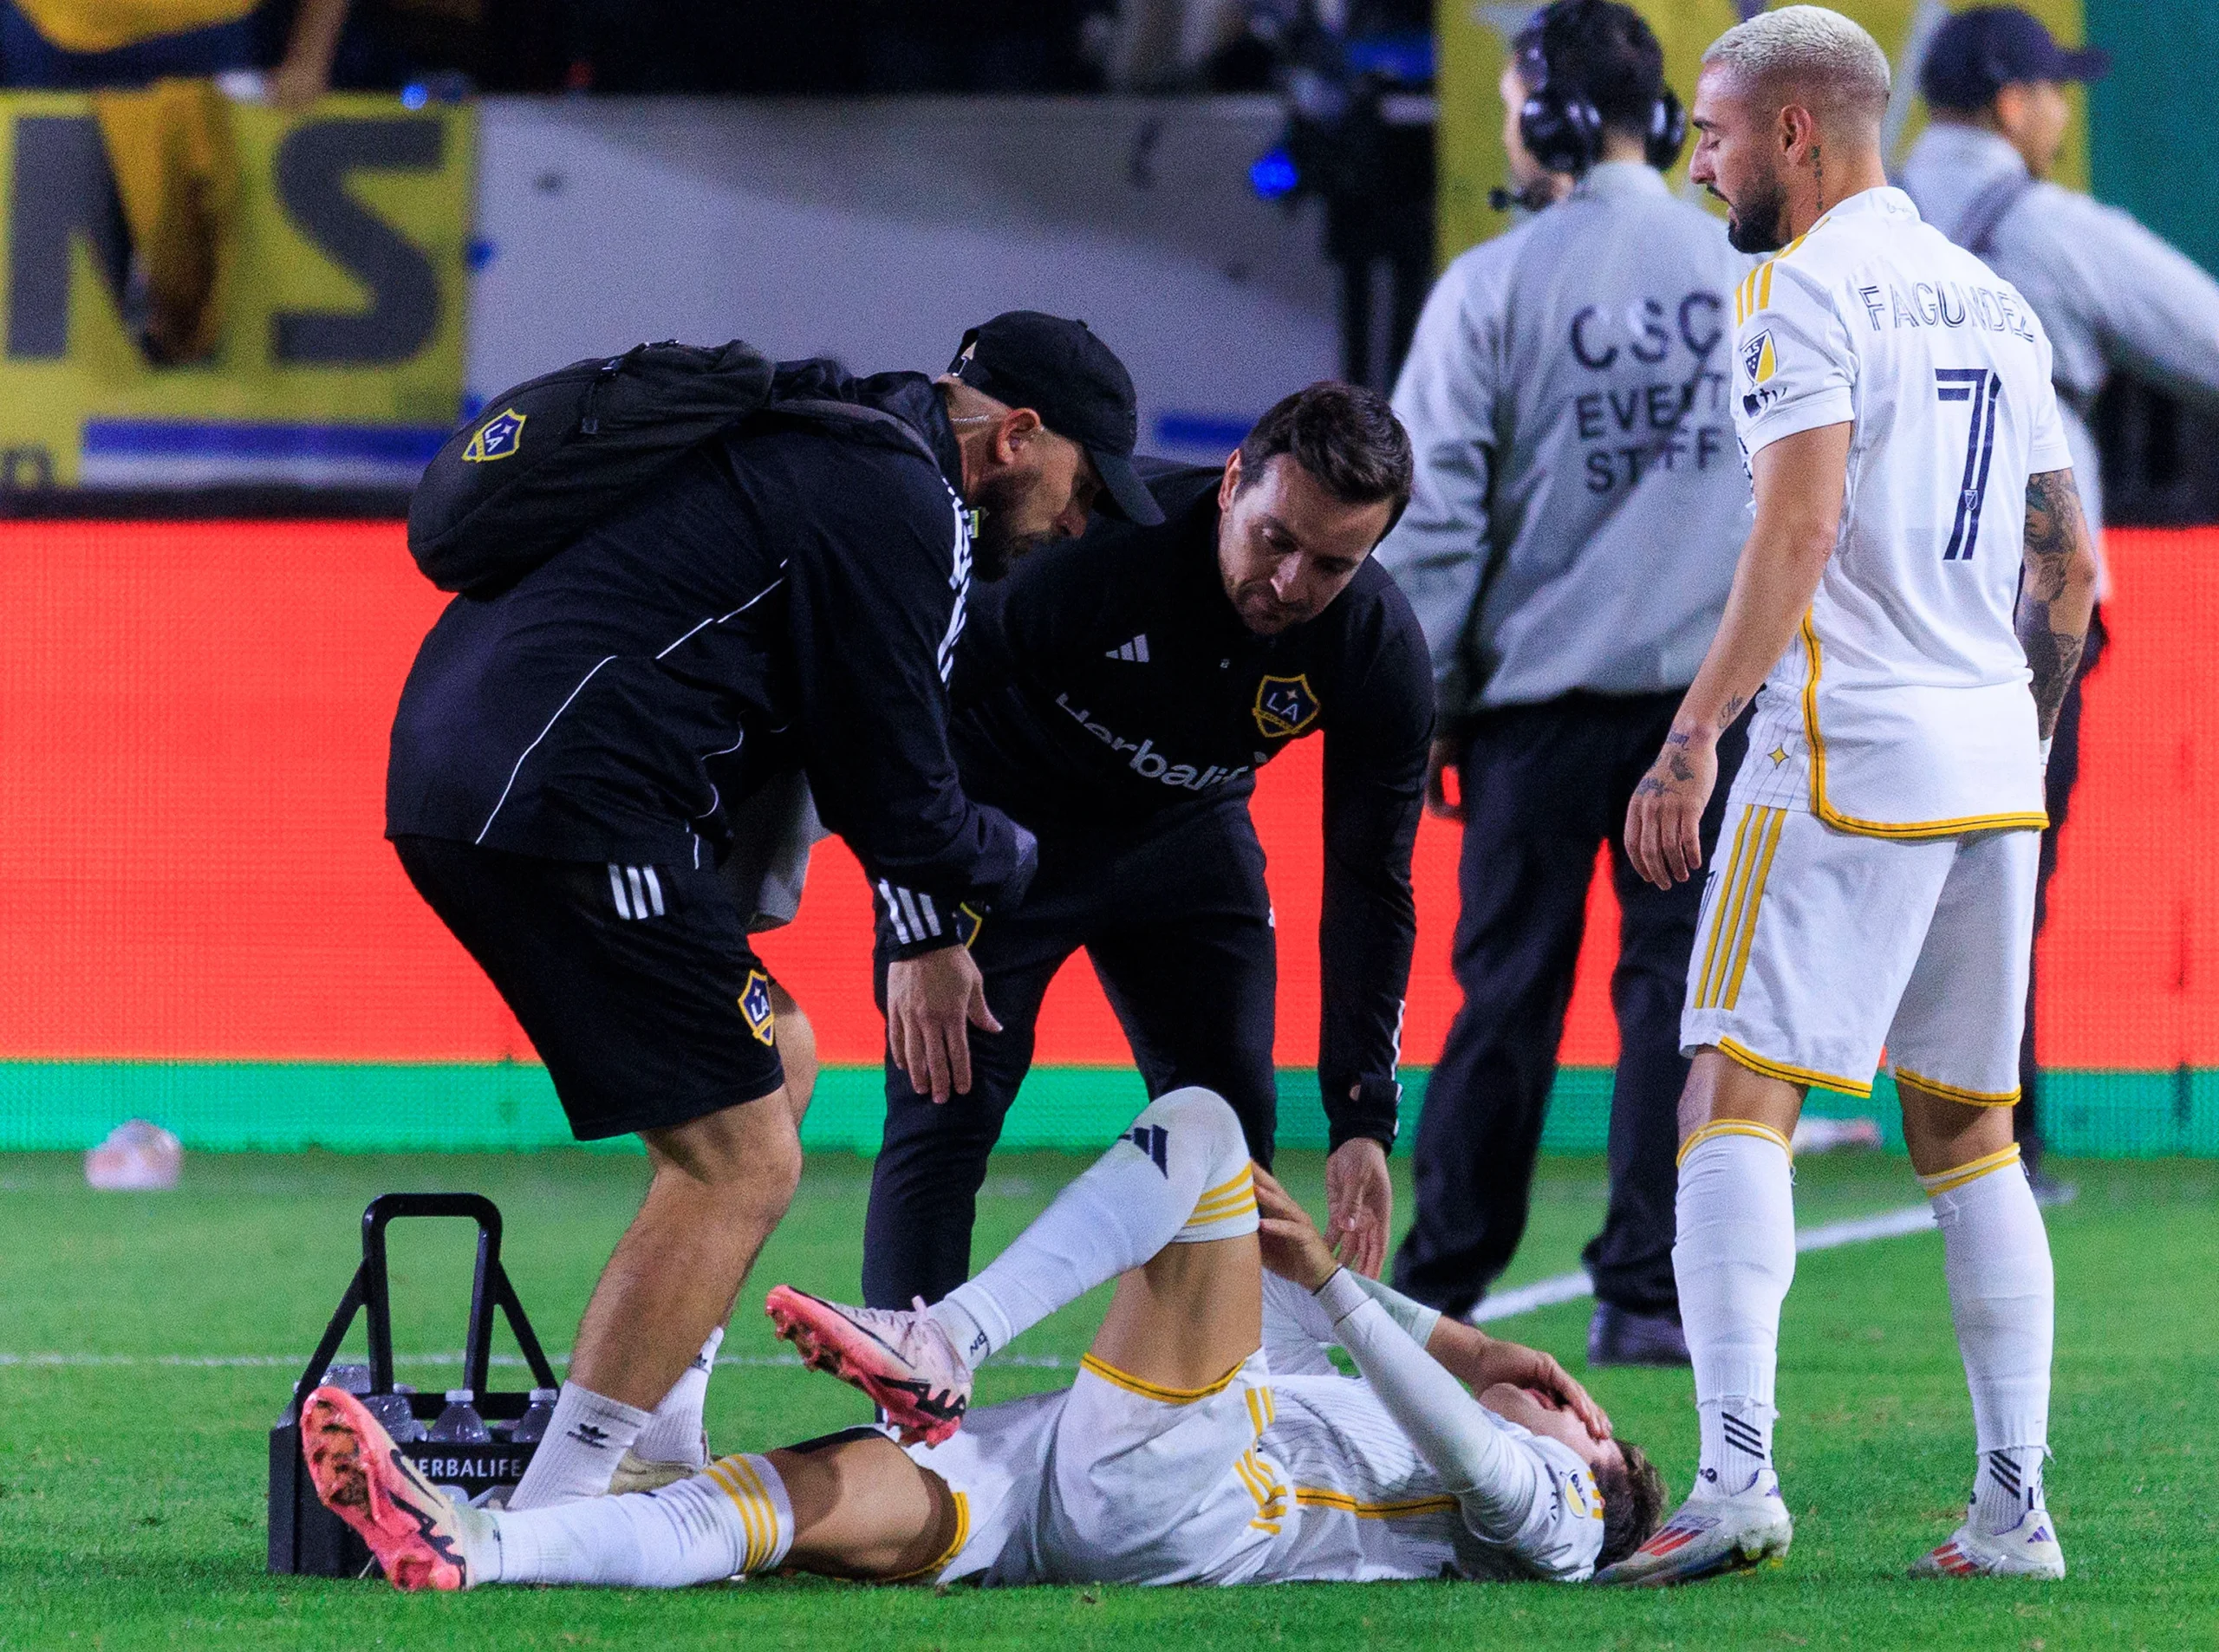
[1984,389]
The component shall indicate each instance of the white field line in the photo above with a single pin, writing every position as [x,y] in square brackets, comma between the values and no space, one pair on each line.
[1542,1293]
[1828,1236]
[228,1361]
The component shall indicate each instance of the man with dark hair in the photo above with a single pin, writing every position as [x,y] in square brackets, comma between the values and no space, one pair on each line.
[1115,697]
[1568,547]
[2110,295]
[573,755]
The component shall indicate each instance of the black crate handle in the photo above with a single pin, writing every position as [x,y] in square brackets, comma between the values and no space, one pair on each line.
[370,1290]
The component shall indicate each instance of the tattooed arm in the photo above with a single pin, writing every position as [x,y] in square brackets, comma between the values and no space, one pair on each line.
[1799,483]
[2059,593]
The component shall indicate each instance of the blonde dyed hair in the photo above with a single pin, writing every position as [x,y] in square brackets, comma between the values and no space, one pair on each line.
[1810,55]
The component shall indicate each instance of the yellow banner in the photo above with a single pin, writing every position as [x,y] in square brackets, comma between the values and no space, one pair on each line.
[1474,41]
[203,292]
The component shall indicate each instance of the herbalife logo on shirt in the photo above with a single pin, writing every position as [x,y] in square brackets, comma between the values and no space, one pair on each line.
[1135,650]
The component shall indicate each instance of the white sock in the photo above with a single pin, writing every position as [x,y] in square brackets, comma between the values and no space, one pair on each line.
[674,1434]
[586,1439]
[731,1517]
[1180,1175]
[1734,1260]
[2002,1296]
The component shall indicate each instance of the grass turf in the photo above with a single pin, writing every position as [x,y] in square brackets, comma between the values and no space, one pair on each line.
[132,1492]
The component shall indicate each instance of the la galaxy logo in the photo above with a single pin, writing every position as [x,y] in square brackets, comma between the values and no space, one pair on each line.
[1758,366]
[1284,705]
[497,437]
[755,1004]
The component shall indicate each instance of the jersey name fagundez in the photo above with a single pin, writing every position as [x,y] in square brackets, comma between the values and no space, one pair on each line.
[1901,709]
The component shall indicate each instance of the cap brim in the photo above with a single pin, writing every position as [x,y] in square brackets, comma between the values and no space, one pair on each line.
[2088,63]
[1121,485]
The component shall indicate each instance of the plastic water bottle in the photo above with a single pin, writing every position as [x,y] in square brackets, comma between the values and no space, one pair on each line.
[393,1415]
[460,1424]
[349,1379]
[531,1428]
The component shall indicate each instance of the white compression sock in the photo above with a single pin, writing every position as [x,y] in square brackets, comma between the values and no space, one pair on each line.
[2002,1296]
[731,1517]
[1734,1260]
[1179,1176]
[674,1434]
[586,1439]
[1502,1488]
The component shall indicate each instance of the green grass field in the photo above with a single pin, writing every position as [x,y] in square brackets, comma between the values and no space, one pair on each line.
[132,1479]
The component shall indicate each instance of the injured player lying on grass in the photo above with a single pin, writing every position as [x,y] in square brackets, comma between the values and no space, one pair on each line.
[1209,1437]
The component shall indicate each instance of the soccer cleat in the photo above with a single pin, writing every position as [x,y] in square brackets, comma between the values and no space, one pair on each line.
[414,1529]
[900,1356]
[638,1473]
[1711,1534]
[2029,1549]
[1617,1336]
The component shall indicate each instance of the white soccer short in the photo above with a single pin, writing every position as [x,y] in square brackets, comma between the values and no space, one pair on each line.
[1148,1485]
[1818,948]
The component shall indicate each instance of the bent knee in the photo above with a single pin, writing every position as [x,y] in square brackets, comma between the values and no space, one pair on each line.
[1203,1117]
[749,1154]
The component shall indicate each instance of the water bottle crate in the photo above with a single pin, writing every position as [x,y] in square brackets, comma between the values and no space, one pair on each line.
[307,1539]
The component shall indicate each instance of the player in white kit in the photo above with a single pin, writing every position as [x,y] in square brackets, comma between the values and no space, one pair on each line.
[1208,1438]
[1913,600]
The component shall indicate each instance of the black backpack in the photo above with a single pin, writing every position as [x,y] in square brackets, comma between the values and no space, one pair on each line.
[552,456]
[549,458]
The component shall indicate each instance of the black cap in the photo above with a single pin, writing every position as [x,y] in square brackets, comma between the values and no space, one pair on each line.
[1077,386]
[1976,54]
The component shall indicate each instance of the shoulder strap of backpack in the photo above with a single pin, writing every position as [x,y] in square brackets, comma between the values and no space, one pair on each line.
[855,413]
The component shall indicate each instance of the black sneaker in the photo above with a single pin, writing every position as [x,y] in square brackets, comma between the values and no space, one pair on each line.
[1617,1336]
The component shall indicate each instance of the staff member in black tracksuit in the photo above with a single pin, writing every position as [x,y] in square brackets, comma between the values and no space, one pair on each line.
[566,751]
[1117,697]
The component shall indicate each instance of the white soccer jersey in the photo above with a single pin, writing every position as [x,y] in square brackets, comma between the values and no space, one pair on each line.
[1261,1479]
[1901,710]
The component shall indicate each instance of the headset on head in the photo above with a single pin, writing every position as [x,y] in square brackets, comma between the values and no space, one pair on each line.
[1562,127]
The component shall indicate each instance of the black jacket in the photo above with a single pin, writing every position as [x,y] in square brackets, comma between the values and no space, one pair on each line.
[1108,681]
[789,594]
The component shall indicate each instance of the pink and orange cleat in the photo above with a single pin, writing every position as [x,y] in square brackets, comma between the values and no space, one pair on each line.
[898,1356]
[414,1529]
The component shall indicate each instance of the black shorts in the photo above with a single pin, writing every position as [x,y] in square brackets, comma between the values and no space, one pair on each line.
[636,983]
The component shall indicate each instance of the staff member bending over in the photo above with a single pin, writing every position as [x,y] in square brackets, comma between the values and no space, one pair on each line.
[1186,1451]
[569,755]
[1117,697]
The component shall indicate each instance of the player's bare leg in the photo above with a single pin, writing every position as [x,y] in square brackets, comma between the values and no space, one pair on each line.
[719,1185]
[674,1444]
[1191,1314]
[849,1506]
[2002,1299]
[1734,1260]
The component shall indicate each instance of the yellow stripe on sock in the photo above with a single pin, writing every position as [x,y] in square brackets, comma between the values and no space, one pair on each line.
[1950,1180]
[723,1472]
[1733,1127]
